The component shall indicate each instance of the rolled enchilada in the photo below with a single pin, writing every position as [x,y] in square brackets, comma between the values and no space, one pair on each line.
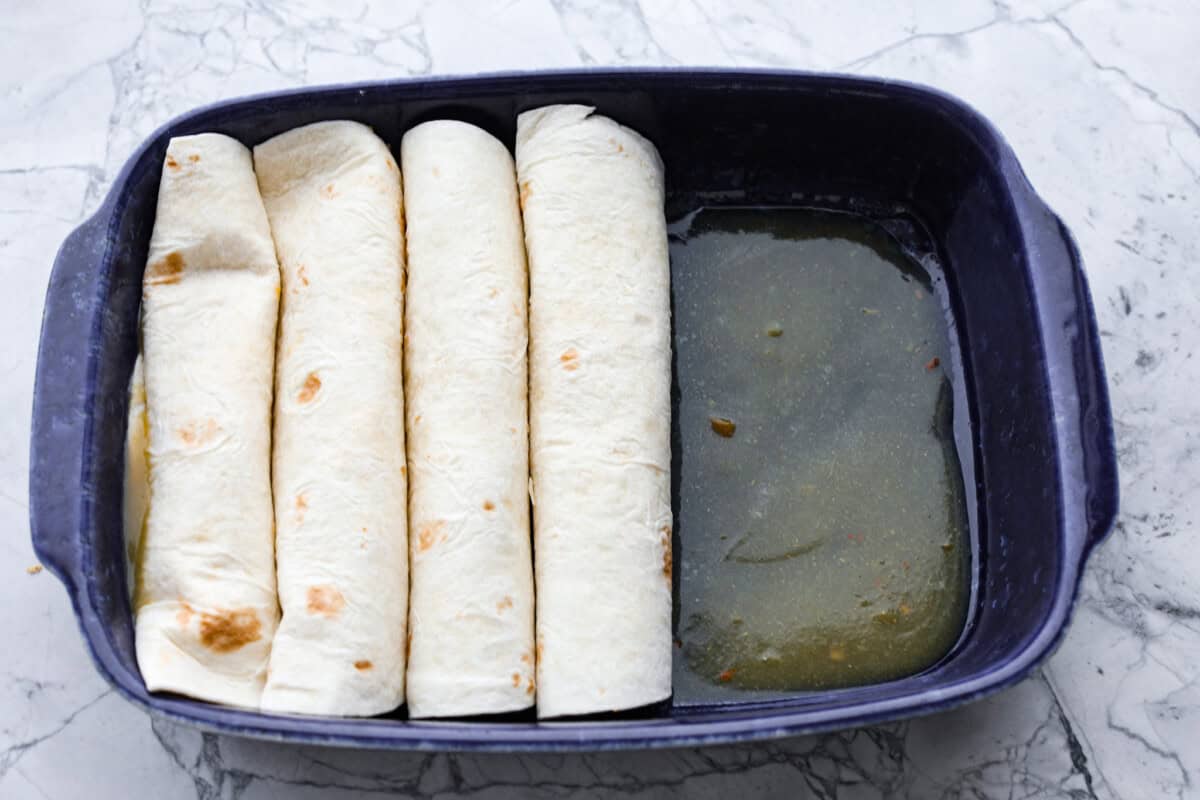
[471,617]
[332,193]
[600,372]
[204,567]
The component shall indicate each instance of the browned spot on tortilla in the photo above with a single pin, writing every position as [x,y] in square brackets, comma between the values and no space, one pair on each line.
[363,665]
[616,144]
[403,470]
[301,506]
[194,157]
[570,360]
[493,292]
[417,419]
[226,631]
[302,274]
[666,545]
[430,532]
[526,190]
[529,686]
[184,615]
[488,505]
[197,433]
[517,310]
[165,270]
[328,192]
[325,599]
[308,391]
[526,658]
[538,650]
[172,163]
[516,679]
[505,602]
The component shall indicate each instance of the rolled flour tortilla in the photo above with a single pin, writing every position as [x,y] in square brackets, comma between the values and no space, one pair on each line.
[471,616]
[332,192]
[600,413]
[204,597]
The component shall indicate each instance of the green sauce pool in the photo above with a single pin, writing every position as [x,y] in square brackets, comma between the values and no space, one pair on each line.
[822,524]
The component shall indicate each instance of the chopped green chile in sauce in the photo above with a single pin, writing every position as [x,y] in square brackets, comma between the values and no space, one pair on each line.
[825,545]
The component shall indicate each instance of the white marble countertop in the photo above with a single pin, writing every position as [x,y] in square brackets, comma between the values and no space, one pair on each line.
[1100,99]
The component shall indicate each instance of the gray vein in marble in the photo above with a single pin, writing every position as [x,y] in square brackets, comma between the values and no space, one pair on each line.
[1079,759]
[1002,15]
[1185,779]
[624,30]
[1146,90]
[12,753]
[699,6]
[950,36]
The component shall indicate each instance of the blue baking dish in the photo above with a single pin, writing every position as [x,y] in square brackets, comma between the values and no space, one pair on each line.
[1038,458]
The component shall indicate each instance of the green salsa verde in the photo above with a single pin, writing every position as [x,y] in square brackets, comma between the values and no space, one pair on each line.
[823,535]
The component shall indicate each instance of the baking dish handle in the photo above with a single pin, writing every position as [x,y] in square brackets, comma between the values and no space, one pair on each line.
[62,402]
[1089,428]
